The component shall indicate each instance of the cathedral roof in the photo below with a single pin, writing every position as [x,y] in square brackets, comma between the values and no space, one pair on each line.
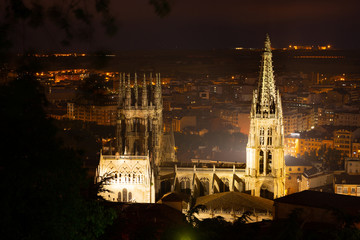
[236,201]
[174,197]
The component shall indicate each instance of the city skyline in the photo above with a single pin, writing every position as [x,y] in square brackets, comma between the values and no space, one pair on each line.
[123,121]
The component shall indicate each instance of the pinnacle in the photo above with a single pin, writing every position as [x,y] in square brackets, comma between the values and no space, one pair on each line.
[267,43]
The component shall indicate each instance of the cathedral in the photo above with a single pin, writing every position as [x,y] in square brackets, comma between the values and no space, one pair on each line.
[140,143]
[265,164]
[144,166]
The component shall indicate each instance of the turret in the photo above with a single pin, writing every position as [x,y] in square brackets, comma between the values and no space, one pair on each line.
[123,86]
[144,100]
[118,123]
[157,92]
[128,93]
[120,97]
[136,91]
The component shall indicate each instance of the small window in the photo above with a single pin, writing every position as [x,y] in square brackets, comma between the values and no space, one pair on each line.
[289,169]
[304,168]
[289,178]
[345,190]
[353,190]
[298,169]
[339,190]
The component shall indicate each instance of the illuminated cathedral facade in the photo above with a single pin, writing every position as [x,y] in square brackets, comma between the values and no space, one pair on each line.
[144,167]
[265,164]
[129,174]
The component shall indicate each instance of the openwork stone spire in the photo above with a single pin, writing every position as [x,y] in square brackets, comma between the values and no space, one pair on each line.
[265,165]
[266,89]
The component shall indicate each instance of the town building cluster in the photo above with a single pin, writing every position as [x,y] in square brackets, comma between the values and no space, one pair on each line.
[299,133]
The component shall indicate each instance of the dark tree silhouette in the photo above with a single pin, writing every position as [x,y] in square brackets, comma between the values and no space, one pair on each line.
[41,182]
[75,19]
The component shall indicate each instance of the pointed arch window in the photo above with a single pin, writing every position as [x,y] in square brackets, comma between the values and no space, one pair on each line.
[185,185]
[125,195]
[261,162]
[261,136]
[205,186]
[269,162]
[269,138]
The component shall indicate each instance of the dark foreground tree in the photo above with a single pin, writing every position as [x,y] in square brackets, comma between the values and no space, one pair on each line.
[75,20]
[41,182]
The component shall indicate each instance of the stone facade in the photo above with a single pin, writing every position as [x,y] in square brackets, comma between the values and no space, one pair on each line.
[145,164]
[127,178]
[129,174]
[265,164]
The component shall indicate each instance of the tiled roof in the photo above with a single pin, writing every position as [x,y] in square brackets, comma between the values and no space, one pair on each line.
[293,161]
[322,200]
[235,201]
[345,178]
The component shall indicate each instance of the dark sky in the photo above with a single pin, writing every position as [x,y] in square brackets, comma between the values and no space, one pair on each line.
[194,24]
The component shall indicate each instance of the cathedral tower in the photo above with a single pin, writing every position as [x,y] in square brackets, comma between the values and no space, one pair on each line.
[139,127]
[265,165]
[129,175]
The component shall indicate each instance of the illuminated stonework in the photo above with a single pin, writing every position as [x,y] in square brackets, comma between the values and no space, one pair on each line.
[127,178]
[140,168]
[140,143]
[265,164]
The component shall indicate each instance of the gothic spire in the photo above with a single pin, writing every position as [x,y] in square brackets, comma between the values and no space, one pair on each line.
[120,91]
[128,93]
[123,85]
[266,89]
[144,93]
[136,93]
[157,91]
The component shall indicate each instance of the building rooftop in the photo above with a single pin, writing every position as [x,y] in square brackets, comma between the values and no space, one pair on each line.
[345,178]
[236,201]
[293,161]
[322,200]
[312,172]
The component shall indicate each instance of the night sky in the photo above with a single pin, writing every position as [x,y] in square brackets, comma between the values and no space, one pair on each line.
[208,24]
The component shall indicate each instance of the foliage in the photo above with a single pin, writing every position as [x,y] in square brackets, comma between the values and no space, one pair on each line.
[75,19]
[92,90]
[245,218]
[332,158]
[42,181]
[194,209]
[162,7]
